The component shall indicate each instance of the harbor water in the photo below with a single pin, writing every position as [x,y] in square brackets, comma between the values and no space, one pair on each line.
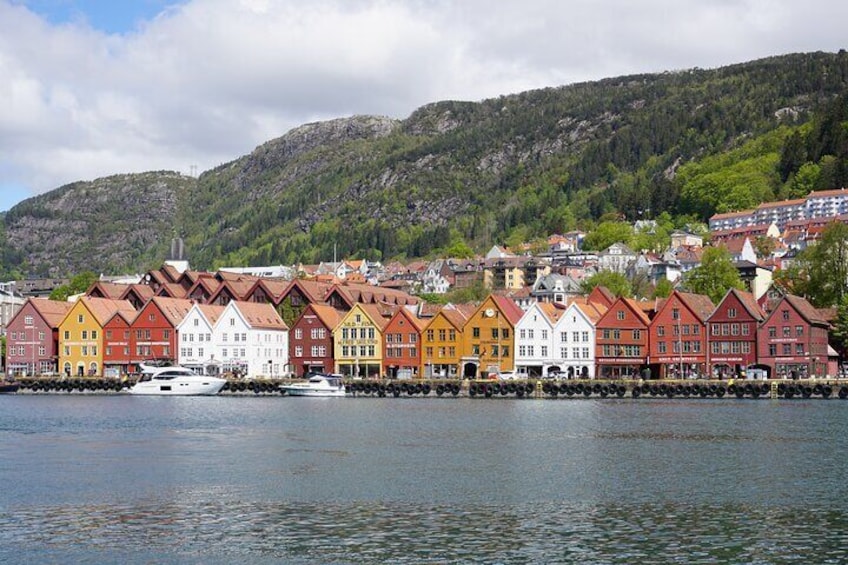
[123,479]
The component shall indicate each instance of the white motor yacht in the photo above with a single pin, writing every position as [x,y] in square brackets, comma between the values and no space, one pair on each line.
[317,385]
[176,381]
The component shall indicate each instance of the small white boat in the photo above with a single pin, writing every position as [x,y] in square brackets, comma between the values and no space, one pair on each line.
[176,381]
[317,385]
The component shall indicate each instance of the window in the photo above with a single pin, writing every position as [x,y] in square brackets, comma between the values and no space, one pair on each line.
[785,314]
[619,315]
[505,351]
[80,319]
[713,348]
[575,336]
[166,334]
[529,334]
[522,334]
[675,313]
[734,329]
[494,333]
[731,312]
[714,329]
[585,353]
[232,321]
[772,331]
[544,351]
[772,349]
[443,335]
[196,322]
[544,334]
[786,331]
[314,351]
[799,331]
[799,349]
[661,330]
[585,337]
[451,335]
[28,320]
[430,335]
[637,334]
[746,329]
[563,337]
[787,349]
[475,332]
[85,334]
[661,347]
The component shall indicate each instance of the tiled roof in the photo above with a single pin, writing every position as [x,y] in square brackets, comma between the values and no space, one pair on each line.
[53,311]
[260,315]
[104,308]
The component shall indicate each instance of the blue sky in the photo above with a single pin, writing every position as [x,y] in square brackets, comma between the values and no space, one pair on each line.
[95,88]
[110,16]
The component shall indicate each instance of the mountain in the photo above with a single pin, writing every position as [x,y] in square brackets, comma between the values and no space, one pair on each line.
[521,165]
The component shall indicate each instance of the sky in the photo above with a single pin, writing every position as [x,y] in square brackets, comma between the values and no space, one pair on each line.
[100,87]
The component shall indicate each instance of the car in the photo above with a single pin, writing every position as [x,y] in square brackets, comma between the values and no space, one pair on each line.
[507,376]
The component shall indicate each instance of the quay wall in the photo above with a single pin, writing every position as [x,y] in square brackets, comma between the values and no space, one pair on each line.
[490,389]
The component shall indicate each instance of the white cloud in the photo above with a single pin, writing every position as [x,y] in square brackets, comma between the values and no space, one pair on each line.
[208,80]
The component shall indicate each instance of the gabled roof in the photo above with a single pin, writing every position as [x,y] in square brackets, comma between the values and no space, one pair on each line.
[635,308]
[601,295]
[411,317]
[212,312]
[171,272]
[807,311]
[274,288]
[143,291]
[104,308]
[699,304]
[238,289]
[207,284]
[377,314]
[174,309]
[727,215]
[510,309]
[313,291]
[551,311]
[328,315]
[594,311]
[748,302]
[106,289]
[260,315]
[172,290]
[456,314]
[53,311]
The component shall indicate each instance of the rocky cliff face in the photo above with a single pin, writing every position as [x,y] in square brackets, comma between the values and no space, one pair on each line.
[112,223]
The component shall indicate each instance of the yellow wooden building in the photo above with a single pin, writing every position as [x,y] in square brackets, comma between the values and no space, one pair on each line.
[488,338]
[81,334]
[358,340]
[442,342]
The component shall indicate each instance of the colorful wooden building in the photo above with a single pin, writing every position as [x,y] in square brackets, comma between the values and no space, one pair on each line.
[621,349]
[402,345]
[442,342]
[733,330]
[488,338]
[793,340]
[358,341]
[678,336]
[311,340]
[81,334]
[32,337]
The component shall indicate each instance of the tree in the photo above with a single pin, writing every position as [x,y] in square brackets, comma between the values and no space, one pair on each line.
[606,234]
[663,289]
[715,276]
[764,246]
[839,330]
[78,284]
[616,283]
[821,270]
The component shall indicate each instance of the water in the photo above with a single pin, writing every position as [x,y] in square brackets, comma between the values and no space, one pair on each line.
[122,479]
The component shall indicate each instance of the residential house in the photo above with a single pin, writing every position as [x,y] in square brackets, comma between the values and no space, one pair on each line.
[555,288]
[680,238]
[617,257]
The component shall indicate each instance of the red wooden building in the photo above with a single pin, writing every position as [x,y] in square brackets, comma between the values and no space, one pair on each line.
[733,329]
[32,337]
[117,352]
[621,349]
[402,345]
[311,340]
[153,333]
[793,340]
[678,336]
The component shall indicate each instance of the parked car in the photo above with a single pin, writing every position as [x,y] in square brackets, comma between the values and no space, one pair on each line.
[507,376]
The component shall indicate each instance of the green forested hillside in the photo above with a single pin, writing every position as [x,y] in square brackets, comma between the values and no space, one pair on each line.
[521,166]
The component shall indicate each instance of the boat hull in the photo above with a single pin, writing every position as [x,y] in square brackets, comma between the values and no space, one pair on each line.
[9,388]
[209,386]
[293,390]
